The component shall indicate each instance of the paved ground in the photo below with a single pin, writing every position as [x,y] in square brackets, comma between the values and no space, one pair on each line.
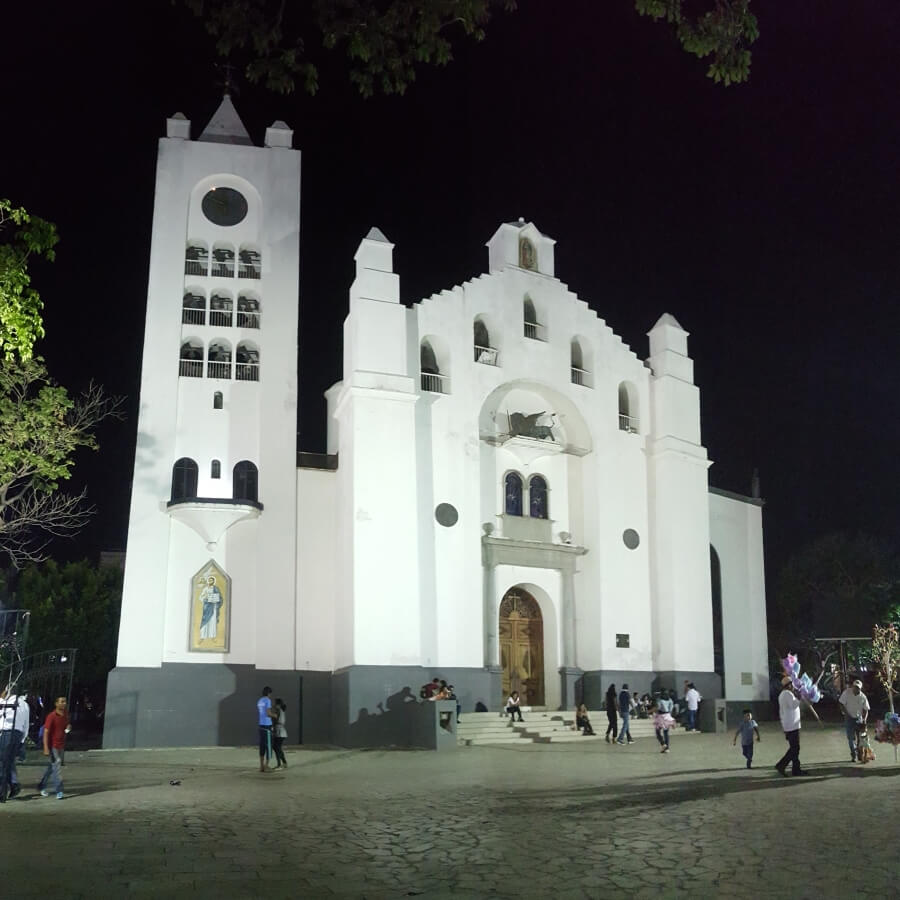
[566,821]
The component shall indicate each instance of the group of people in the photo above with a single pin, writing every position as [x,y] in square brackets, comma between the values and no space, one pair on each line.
[272,721]
[664,708]
[438,689]
[15,715]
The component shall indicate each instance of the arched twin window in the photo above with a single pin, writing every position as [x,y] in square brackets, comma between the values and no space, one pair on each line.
[514,496]
[245,484]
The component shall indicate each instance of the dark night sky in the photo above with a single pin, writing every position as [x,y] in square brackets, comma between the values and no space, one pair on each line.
[764,217]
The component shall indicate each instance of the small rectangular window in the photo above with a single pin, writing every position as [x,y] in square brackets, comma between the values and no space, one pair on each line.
[217,400]
[216,469]
[623,640]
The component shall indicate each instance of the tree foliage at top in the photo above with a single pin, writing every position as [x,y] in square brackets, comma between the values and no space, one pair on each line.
[384,41]
[723,33]
[22,236]
[41,427]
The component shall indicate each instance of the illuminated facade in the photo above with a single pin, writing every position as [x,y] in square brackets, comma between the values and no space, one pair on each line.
[511,498]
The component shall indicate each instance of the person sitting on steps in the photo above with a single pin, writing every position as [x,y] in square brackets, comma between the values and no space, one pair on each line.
[512,707]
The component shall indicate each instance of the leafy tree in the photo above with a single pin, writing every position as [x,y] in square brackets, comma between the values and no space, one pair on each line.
[41,427]
[839,585]
[723,33]
[76,605]
[886,655]
[22,236]
[385,40]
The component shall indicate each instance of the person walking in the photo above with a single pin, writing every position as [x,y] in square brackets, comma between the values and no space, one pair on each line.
[624,712]
[611,716]
[855,707]
[789,713]
[264,716]
[14,717]
[662,720]
[745,730]
[56,727]
[279,733]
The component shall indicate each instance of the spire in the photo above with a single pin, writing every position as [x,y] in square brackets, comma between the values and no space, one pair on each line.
[226,127]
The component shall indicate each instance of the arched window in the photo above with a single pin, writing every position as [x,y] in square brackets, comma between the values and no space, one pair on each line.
[537,497]
[484,352]
[184,479]
[512,504]
[196,258]
[223,261]
[193,307]
[215,469]
[580,368]
[432,380]
[218,359]
[247,310]
[220,309]
[628,412]
[249,262]
[190,359]
[245,482]
[217,400]
[533,329]
[247,368]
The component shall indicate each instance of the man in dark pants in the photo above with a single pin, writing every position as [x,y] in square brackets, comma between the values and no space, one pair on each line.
[789,713]
[264,716]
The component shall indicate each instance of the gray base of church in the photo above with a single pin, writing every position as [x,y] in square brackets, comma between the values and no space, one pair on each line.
[200,705]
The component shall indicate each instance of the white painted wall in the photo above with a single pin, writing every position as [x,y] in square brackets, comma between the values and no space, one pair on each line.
[736,535]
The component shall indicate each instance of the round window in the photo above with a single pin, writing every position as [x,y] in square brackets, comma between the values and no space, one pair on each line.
[446,514]
[224,206]
[631,538]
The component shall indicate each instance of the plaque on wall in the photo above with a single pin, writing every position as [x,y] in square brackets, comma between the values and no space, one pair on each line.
[210,610]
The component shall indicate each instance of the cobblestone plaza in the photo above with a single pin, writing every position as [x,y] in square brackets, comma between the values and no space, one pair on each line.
[569,821]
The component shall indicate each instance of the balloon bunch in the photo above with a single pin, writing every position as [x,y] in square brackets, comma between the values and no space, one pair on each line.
[802,684]
[888,730]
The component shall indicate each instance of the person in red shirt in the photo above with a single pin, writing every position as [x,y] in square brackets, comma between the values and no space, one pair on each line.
[56,727]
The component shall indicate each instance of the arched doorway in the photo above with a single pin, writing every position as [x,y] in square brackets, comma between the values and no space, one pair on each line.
[522,646]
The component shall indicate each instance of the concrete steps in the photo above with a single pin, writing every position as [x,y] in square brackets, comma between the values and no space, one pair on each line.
[541,726]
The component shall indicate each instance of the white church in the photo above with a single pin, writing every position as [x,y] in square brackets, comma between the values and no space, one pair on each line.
[511,497]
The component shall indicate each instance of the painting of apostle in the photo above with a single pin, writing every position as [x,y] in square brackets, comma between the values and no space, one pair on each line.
[210,612]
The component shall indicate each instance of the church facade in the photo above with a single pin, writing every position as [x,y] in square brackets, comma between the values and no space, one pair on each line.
[511,497]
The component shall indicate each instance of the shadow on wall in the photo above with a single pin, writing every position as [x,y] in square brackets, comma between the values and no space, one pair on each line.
[404,721]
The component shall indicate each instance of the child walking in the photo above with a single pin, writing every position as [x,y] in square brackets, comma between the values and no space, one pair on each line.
[746,730]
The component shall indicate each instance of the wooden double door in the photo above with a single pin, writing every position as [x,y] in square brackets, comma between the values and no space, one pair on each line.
[522,647]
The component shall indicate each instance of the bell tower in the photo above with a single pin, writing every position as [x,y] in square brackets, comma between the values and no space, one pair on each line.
[209,590]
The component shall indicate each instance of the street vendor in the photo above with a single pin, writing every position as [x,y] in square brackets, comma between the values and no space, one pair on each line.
[855,708]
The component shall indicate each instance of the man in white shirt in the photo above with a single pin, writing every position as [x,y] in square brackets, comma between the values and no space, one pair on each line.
[14,715]
[855,707]
[789,713]
[692,698]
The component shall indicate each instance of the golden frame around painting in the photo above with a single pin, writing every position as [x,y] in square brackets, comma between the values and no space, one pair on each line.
[210,610]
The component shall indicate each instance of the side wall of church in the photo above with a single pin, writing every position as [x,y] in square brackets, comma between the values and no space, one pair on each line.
[737,538]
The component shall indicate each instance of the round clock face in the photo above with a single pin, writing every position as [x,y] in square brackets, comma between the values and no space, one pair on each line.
[224,206]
